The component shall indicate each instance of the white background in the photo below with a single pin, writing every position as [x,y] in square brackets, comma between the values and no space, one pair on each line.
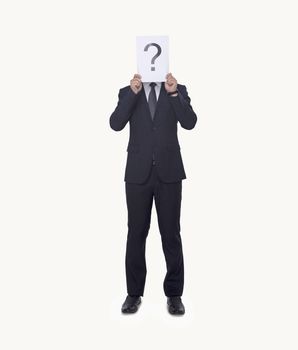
[63,212]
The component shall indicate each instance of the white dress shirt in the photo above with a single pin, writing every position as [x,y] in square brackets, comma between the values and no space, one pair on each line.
[147,89]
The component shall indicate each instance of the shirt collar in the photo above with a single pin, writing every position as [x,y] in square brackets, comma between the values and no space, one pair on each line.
[158,83]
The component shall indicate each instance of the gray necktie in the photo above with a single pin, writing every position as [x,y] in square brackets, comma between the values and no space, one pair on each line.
[152,100]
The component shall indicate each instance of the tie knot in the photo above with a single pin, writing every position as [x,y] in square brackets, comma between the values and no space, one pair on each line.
[152,85]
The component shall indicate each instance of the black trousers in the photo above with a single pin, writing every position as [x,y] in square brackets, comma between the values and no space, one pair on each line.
[139,198]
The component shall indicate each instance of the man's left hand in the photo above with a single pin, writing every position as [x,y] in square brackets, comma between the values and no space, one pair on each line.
[170,83]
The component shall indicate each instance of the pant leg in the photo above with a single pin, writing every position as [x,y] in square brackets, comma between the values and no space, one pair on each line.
[168,206]
[139,198]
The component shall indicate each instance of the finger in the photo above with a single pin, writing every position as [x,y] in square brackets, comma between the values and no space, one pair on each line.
[170,76]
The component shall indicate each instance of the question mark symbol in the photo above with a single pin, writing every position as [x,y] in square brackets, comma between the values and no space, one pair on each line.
[156,55]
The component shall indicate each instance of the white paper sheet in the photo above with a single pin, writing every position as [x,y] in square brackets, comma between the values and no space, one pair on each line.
[153,57]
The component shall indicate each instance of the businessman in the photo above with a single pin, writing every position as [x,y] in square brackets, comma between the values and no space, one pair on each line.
[154,170]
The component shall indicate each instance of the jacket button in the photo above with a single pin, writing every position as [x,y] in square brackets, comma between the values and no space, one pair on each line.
[154,128]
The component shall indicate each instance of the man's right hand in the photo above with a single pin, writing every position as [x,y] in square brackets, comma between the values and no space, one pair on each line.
[136,83]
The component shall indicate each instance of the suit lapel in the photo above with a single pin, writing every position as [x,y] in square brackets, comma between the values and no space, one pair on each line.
[145,104]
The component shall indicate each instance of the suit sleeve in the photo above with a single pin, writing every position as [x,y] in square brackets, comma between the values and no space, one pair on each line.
[126,103]
[183,109]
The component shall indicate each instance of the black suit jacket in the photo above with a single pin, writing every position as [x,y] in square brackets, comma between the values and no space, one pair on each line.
[153,139]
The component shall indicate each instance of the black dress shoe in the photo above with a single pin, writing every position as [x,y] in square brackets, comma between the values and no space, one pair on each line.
[131,304]
[175,306]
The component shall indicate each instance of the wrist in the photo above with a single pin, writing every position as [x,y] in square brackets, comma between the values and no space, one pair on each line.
[134,91]
[173,93]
